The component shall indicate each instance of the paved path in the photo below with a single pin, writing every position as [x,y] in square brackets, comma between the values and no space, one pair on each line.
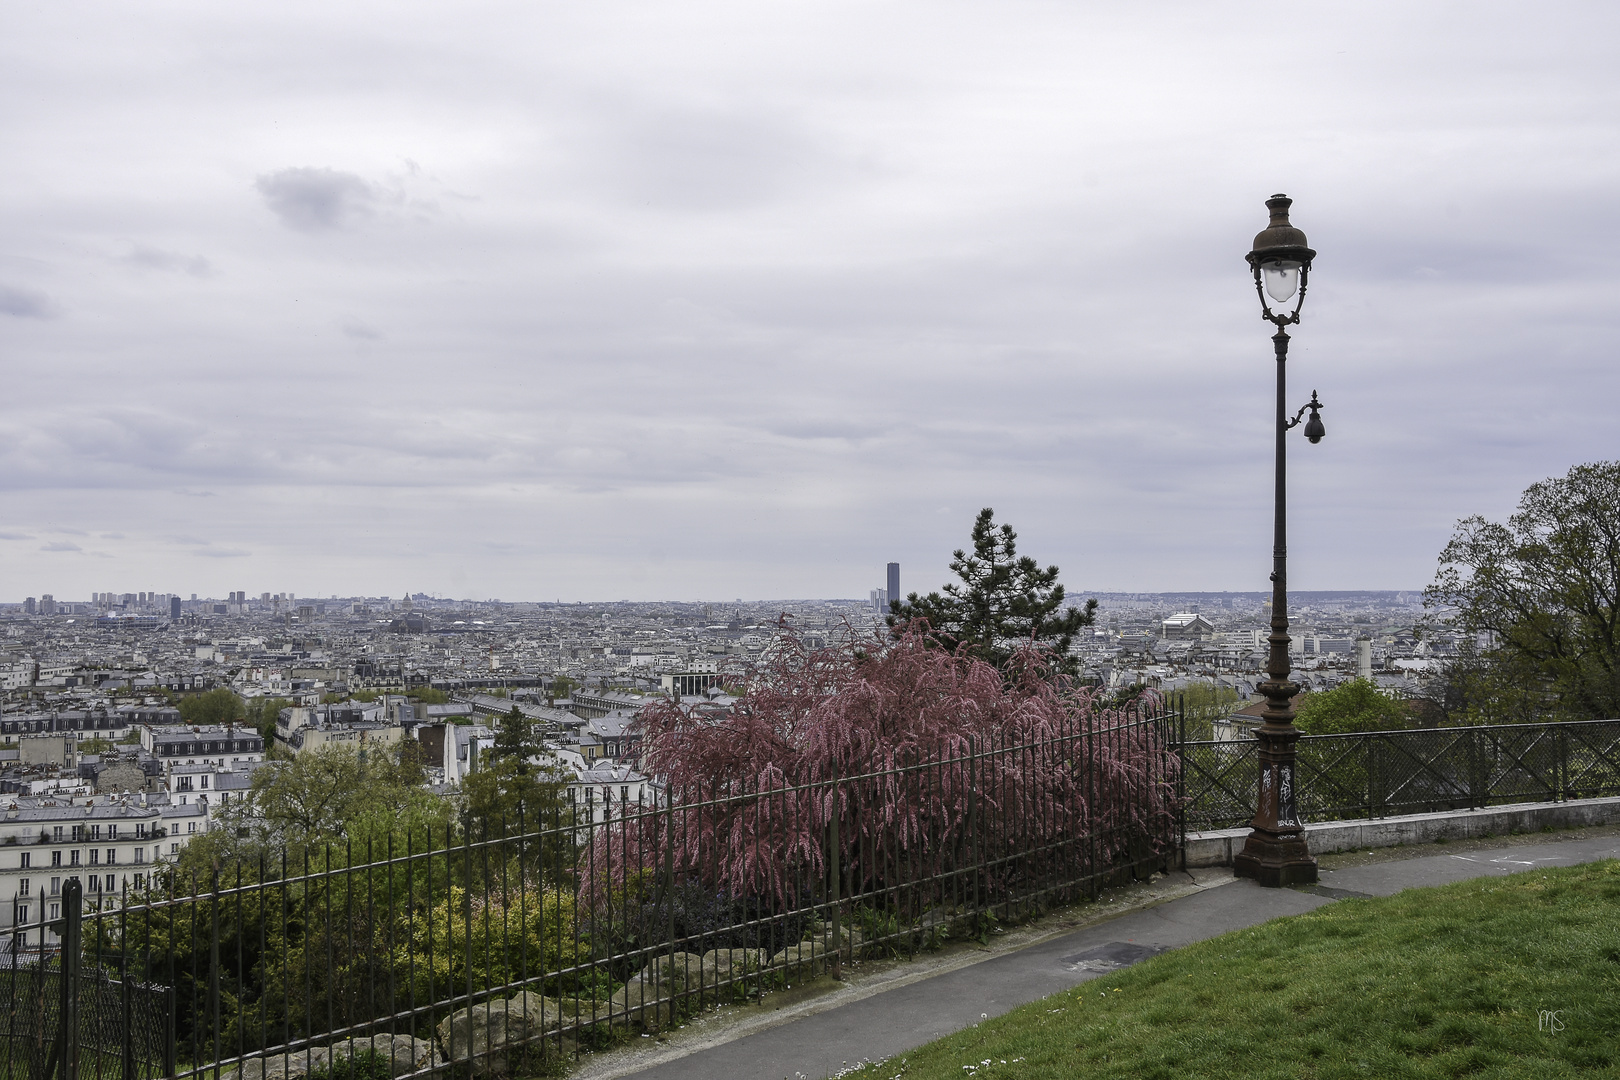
[882,1022]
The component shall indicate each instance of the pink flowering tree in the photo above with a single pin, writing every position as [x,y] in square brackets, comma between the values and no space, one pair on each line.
[926,774]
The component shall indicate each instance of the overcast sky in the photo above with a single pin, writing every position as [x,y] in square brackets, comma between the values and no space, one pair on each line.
[705,300]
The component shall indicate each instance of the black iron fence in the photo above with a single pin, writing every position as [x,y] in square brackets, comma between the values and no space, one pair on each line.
[457,953]
[1387,773]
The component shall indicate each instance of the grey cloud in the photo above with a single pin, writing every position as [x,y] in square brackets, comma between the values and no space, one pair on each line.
[14,536]
[25,303]
[316,200]
[61,545]
[148,258]
[222,553]
[358,330]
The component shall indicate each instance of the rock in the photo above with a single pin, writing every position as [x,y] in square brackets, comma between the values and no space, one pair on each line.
[640,1002]
[680,971]
[805,953]
[405,1054]
[484,1031]
[542,1013]
[296,1064]
[720,965]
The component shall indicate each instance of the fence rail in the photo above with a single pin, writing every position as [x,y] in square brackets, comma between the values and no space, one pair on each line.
[460,954]
[1386,773]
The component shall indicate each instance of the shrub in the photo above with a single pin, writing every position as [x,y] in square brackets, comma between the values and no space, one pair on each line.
[944,756]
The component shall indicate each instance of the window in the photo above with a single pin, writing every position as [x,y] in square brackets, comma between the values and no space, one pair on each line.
[56,833]
[95,832]
[27,859]
[78,833]
[56,858]
[112,855]
[22,886]
[74,861]
[140,879]
[110,884]
[95,856]
[56,911]
[95,883]
[22,914]
[202,782]
[174,849]
[140,830]
[56,885]
[140,856]
[112,834]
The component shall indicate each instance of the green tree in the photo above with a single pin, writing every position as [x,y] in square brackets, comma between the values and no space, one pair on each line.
[1491,687]
[1543,590]
[1204,703]
[1352,706]
[333,794]
[218,706]
[261,714]
[502,795]
[516,738]
[1003,600]
[517,783]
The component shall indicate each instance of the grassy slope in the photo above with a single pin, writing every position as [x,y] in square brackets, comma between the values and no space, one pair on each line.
[1438,982]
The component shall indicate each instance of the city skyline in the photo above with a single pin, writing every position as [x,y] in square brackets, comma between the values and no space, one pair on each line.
[632,300]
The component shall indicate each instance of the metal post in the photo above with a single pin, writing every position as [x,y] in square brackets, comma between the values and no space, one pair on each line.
[1275,853]
[835,869]
[125,1003]
[68,1013]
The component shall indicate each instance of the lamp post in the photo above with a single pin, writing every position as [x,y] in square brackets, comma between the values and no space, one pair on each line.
[1275,853]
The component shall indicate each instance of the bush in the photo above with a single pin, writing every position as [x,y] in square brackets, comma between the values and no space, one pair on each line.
[1352,706]
[924,730]
[366,1065]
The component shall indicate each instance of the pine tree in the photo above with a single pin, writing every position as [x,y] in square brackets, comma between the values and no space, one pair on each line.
[515,738]
[1003,600]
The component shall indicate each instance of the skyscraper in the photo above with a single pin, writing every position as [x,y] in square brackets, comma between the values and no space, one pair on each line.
[894,582]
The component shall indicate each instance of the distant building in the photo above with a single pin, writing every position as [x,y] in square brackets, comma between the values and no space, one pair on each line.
[1187,626]
[894,584]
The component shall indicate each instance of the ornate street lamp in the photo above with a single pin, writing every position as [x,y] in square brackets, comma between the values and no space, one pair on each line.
[1275,853]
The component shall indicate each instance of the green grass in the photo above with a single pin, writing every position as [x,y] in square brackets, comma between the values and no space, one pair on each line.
[1444,982]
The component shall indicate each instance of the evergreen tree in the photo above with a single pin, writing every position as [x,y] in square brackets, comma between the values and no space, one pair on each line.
[1003,599]
[515,738]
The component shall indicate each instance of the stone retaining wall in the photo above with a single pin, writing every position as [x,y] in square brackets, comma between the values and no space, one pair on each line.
[1217,847]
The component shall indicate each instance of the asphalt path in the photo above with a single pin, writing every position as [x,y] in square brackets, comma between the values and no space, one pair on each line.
[884,1021]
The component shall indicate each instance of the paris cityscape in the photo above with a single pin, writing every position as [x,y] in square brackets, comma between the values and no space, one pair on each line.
[490,586]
